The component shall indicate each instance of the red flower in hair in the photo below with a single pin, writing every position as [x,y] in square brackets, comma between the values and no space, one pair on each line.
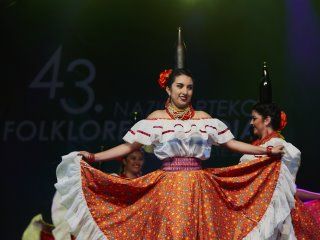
[164,77]
[283,121]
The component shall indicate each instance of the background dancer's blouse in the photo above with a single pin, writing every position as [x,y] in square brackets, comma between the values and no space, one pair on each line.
[180,201]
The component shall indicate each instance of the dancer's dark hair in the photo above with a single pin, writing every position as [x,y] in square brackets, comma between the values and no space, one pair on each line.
[178,72]
[269,109]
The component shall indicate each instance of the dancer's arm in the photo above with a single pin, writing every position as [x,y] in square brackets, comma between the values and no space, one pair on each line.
[112,153]
[241,147]
[245,148]
[305,195]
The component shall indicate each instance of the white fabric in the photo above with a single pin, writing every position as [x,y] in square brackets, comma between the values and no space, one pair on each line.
[61,229]
[291,158]
[186,138]
[69,186]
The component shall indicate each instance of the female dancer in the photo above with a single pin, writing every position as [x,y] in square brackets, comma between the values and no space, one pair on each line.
[131,166]
[182,200]
[267,122]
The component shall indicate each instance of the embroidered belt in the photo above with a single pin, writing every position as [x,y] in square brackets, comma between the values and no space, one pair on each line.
[181,164]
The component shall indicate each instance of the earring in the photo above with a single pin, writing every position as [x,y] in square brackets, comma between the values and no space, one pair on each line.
[169,99]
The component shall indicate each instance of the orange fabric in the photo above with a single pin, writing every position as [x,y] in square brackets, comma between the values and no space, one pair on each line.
[305,226]
[215,203]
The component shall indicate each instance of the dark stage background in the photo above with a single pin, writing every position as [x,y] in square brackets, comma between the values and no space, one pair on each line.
[73,72]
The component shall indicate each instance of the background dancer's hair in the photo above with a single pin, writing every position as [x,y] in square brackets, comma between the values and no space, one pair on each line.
[269,109]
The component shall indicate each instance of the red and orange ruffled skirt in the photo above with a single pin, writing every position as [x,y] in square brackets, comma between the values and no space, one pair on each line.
[245,201]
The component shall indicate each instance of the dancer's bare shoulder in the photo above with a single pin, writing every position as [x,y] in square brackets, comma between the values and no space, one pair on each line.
[164,114]
[201,114]
[158,114]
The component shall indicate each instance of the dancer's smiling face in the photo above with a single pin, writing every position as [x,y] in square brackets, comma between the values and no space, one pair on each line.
[181,91]
[133,162]
[259,123]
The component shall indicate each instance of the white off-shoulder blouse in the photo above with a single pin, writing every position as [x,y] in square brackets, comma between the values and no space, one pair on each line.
[180,138]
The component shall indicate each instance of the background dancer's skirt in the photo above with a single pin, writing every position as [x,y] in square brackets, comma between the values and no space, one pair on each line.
[306,219]
[314,209]
[246,201]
